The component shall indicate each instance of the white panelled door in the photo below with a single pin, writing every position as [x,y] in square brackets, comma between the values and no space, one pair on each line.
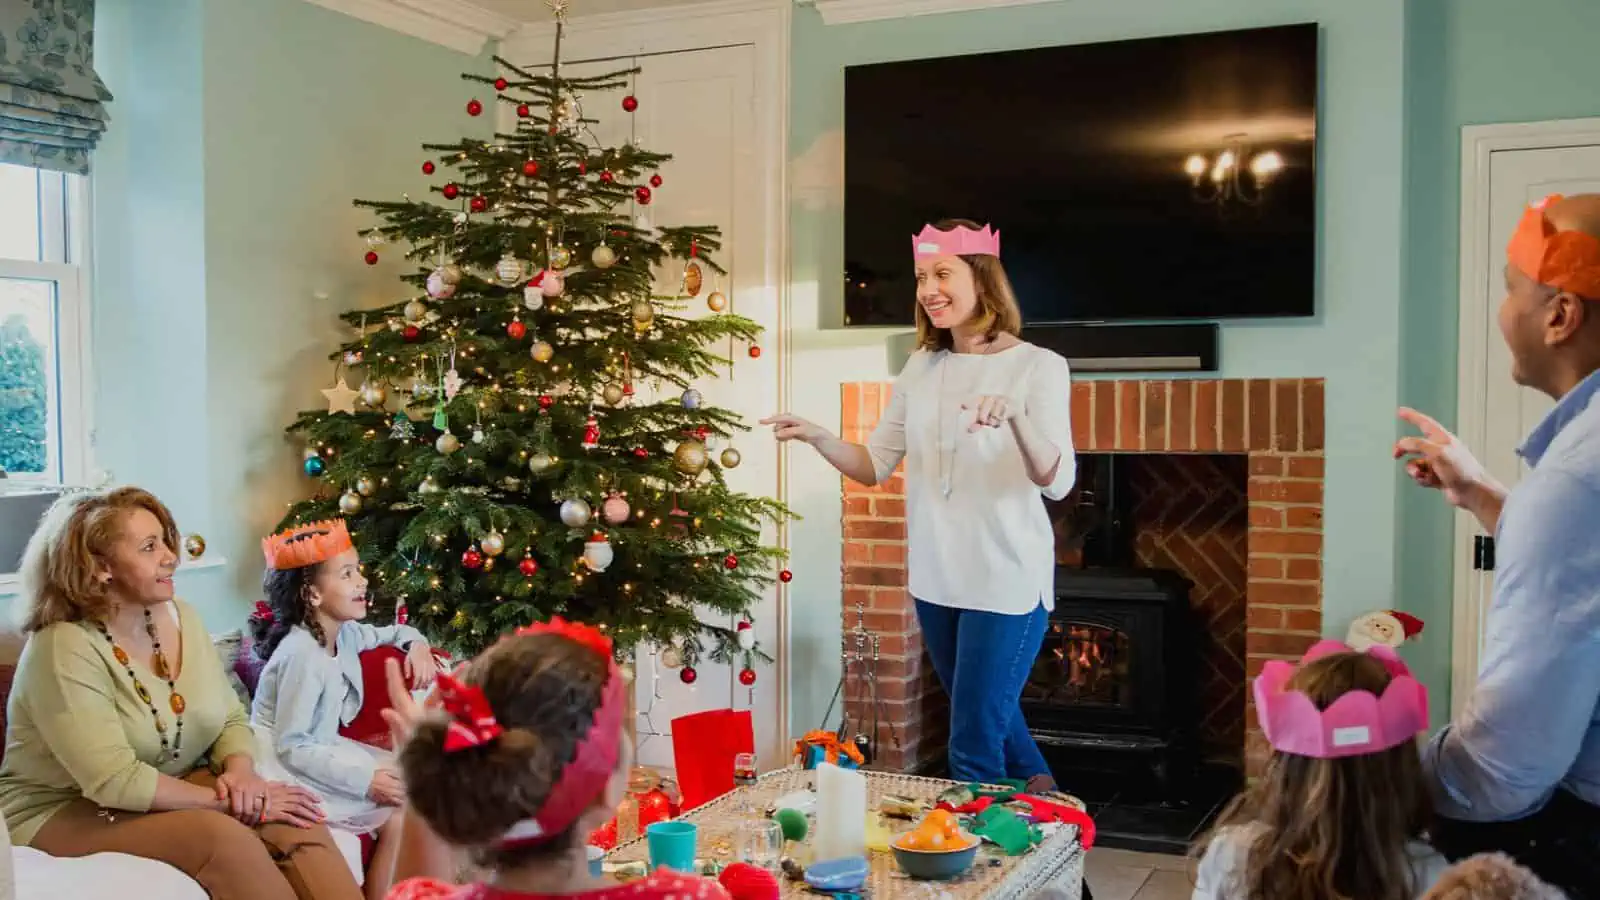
[698,106]
[1503,172]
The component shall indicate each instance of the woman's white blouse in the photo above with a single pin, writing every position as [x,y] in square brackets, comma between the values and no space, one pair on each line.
[978,536]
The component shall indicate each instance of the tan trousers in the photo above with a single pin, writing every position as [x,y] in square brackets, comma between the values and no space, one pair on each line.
[231,860]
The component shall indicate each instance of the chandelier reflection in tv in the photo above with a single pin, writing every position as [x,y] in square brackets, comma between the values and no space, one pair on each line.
[1221,179]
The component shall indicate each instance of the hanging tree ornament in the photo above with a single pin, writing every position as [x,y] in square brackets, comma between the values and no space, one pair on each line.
[603,257]
[401,429]
[314,466]
[612,394]
[366,486]
[541,351]
[730,562]
[493,544]
[575,512]
[560,257]
[671,656]
[717,301]
[690,457]
[195,546]
[597,553]
[452,382]
[688,675]
[747,676]
[509,269]
[615,510]
[415,311]
[374,395]
[731,458]
[552,285]
[644,313]
[440,286]
[349,503]
[529,567]
[447,443]
[429,486]
[745,635]
[472,559]
[540,462]
[591,432]
[691,399]
[341,399]
[533,296]
[693,279]
[516,330]
[785,576]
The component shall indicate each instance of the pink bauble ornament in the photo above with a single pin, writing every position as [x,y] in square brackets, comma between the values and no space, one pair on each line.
[552,284]
[615,510]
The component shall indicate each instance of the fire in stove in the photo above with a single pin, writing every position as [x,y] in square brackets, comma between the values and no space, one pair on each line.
[1082,665]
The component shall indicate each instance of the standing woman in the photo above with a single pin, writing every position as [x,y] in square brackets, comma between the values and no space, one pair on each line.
[983,421]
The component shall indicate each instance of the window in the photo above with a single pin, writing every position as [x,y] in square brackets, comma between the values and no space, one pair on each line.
[45,435]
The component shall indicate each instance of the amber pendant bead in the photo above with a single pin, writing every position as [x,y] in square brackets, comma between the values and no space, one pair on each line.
[178,704]
[120,654]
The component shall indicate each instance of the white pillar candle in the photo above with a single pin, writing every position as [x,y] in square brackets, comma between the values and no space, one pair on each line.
[841,813]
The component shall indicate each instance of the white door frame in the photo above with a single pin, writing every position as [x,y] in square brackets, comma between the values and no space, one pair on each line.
[763,24]
[1478,144]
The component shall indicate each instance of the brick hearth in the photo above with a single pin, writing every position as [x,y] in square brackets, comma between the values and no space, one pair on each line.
[1274,427]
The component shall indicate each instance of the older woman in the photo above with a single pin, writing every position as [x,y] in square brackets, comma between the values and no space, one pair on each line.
[124,734]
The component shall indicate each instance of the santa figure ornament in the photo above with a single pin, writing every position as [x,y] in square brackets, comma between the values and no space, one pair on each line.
[1382,628]
[591,433]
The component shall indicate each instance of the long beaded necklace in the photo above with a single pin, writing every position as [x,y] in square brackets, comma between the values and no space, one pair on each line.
[947,472]
[164,672]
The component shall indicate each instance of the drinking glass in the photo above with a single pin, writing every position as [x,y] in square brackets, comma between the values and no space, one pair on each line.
[745,777]
[761,845]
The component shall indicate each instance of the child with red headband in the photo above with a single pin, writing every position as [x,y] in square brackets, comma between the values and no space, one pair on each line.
[525,757]
[1342,807]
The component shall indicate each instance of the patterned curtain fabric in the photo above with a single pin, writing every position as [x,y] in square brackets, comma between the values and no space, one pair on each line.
[52,104]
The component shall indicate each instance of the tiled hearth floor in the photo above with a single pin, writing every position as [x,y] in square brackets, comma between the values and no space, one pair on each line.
[1126,875]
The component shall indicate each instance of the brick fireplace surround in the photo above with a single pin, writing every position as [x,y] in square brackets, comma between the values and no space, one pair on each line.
[1276,424]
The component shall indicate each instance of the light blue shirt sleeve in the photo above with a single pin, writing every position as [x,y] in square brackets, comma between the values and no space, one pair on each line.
[306,730]
[370,637]
[1539,677]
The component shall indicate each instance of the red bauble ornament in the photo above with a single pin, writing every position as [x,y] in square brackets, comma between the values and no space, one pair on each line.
[480,203]
[411,334]
[642,194]
[606,176]
[731,562]
[630,103]
[371,257]
[583,167]
[654,807]
[786,576]
[655,181]
[474,108]
[747,677]
[450,191]
[528,566]
[428,167]
[604,837]
[472,559]
[688,675]
[546,401]
[755,352]
[516,330]
[523,111]
[641,452]
[501,84]
[530,168]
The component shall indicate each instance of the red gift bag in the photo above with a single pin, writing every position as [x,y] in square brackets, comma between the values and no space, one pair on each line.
[703,747]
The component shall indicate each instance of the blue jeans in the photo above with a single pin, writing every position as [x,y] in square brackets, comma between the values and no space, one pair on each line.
[983,660]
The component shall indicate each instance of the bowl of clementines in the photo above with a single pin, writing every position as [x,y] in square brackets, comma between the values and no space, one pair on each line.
[937,849]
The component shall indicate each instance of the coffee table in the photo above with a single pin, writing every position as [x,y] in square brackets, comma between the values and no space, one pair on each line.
[1057,862]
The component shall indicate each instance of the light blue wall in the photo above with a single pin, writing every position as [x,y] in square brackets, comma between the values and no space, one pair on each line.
[242,130]
[1353,341]
[1469,62]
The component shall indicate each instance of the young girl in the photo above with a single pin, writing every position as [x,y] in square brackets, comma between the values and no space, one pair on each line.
[311,638]
[527,757]
[1341,809]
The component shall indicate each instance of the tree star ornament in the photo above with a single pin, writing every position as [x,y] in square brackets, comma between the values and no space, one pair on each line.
[341,399]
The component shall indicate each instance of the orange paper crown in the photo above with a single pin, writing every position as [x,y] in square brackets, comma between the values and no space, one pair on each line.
[1565,260]
[306,545]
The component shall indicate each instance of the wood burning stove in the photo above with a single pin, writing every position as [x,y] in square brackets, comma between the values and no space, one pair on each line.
[1115,674]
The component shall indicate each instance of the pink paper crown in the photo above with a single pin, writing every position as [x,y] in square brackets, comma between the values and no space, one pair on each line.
[959,241]
[1354,725]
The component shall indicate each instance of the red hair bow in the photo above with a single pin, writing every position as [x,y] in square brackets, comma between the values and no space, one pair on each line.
[263,612]
[472,722]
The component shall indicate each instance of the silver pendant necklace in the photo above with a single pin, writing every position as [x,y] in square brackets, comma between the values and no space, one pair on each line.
[947,471]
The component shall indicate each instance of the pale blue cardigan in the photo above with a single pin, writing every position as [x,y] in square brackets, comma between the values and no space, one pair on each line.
[304,695]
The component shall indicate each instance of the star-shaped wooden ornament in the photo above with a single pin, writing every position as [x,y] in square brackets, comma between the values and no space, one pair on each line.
[341,399]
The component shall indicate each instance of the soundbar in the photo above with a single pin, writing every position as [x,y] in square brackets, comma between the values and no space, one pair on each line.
[1190,347]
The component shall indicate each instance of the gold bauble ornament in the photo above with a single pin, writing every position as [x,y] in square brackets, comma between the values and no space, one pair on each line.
[493,544]
[429,486]
[603,257]
[643,314]
[540,462]
[374,395]
[560,258]
[488,564]
[366,486]
[447,443]
[690,457]
[195,546]
[449,273]
[718,301]
[693,279]
[349,503]
[415,311]
[510,270]
[542,351]
[612,394]
[731,458]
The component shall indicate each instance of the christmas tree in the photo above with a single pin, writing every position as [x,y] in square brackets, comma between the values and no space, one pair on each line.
[526,440]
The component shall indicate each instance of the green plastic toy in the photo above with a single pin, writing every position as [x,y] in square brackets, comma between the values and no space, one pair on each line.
[1007,830]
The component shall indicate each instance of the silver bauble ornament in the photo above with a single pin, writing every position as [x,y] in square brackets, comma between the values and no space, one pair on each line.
[374,395]
[691,399]
[349,503]
[509,269]
[643,314]
[533,298]
[366,486]
[690,457]
[541,351]
[447,443]
[612,394]
[438,287]
[493,544]
[731,458]
[603,257]
[415,311]
[429,486]
[575,513]
[540,462]
[560,258]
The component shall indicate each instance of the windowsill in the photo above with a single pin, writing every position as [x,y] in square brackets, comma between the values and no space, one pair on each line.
[11,582]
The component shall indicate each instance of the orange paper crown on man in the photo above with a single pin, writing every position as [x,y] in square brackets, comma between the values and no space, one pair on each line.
[306,545]
[1565,260]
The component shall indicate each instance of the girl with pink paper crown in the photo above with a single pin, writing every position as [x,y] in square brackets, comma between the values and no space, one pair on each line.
[983,422]
[1341,809]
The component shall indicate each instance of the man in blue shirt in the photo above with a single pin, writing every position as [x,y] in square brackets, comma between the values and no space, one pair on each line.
[1519,769]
